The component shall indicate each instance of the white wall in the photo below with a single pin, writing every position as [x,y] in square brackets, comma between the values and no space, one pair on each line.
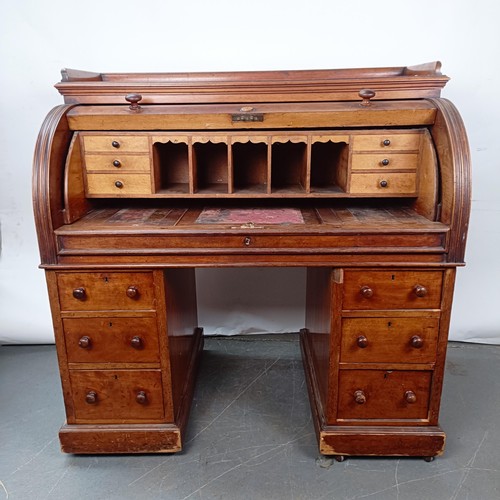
[38,38]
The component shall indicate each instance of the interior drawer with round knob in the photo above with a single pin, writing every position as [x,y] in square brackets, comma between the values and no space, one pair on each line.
[117,163]
[384,184]
[384,162]
[387,141]
[119,396]
[105,291]
[392,289]
[111,143]
[384,395]
[111,340]
[118,184]
[389,340]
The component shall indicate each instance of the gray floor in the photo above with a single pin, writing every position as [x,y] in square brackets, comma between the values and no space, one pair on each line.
[250,435]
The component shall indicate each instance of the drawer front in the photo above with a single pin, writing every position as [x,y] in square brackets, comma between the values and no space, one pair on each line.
[384,183]
[105,291]
[380,161]
[384,394]
[115,143]
[392,289]
[386,141]
[117,395]
[117,163]
[118,184]
[389,340]
[111,340]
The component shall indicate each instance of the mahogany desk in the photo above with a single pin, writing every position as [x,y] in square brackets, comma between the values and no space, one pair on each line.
[362,176]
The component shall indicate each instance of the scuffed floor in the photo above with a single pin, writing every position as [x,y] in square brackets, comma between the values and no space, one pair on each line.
[250,435]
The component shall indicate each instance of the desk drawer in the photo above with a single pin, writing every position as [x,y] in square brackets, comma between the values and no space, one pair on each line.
[389,340]
[111,340]
[384,183]
[384,162]
[118,184]
[105,291]
[392,289]
[113,143]
[384,394]
[117,395]
[387,141]
[117,163]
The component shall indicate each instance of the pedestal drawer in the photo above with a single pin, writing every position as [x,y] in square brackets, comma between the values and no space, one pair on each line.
[111,340]
[119,396]
[392,289]
[384,394]
[105,291]
[389,340]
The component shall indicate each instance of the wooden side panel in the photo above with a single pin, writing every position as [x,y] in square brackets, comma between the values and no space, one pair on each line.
[453,154]
[48,174]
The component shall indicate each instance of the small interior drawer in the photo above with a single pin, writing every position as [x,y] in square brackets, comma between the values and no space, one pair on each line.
[114,143]
[387,141]
[117,163]
[380,161]
[384,394]
[105,291]
[111,340]
[117,396]
[118,184]
[392,289]
[384,183]
[389,340]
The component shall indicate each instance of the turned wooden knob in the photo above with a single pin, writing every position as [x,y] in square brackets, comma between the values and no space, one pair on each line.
[383,184]
[132,292]
[362,341]
[136,342]
[386,142]
[91,397]
[416,342]
[79,293]
[410,397]
[366,95]
[359,397]
[420,291]
[366,292]
[141,397]
[84,342]
[133,99]
[117,163]
[385,162]
[119,184]
[115,144]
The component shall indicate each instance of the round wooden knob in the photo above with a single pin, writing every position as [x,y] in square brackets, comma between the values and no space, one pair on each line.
[362,341]
[359,397]
[91,397]
[366,95]
[383,184]
[420,291]
[79,293]
[410,397]
[132,292]
[115,144]
[386,142]
[141,397]
[416,342]
[133,99]
[117,163]
[366,292]
[119,184]
[385,162]
[84,342]
[136,342]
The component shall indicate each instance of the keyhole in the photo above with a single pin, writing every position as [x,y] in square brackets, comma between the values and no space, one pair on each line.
[110,324]
[106,279]
[389,324]
[392,277]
